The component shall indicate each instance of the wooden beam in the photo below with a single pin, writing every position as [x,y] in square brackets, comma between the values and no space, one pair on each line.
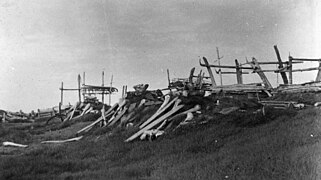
[238,73]
[301,70]
[283,74]
[102,84]
[290,70]
[79,93]
[208,67]
[304,59]
[318,78]
[61,93]
[222,66]
[255,65]
[219,63]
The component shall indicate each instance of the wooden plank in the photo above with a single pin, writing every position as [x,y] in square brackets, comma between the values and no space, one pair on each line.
[283,74]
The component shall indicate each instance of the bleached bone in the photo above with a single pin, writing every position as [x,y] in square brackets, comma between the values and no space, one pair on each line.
[94,123]
[62,141]
[167,98]
[158,113]
[7,143]
[155,122]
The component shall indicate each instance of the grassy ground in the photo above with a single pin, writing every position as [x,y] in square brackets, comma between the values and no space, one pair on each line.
[280,145]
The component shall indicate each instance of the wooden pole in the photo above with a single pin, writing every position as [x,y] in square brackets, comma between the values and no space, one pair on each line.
[62,93]
[290,70]
[111,85]
[83,78]
[283,74]
[318,78]
[238,73]
[219,63]
[168,78]
[79,90]
[191,75]
[102,84]
[258,70]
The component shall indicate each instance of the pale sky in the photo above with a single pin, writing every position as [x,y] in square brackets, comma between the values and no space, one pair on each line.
[43,43]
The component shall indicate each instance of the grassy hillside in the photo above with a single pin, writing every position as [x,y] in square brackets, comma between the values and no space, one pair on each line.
[284,144]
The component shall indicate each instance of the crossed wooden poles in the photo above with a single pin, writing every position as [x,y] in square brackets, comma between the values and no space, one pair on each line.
[283,67]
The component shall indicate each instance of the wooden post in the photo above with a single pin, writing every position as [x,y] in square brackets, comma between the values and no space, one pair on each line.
[79,90]
[168,78]
[191,75]
[111,85]
[62,93]
[318,78]
[283,74]
[83,78]
[209,71]
[290,70]
[238,72]
[219,63]
[256,67]
[102,84]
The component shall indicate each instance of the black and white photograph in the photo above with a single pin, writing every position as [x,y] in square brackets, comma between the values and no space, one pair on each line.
[160,89]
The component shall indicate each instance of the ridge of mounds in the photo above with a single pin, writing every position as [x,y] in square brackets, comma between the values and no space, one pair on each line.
[149,114]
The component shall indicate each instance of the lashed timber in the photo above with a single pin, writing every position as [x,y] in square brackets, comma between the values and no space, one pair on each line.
[283,74]
[239,88]
[258,70]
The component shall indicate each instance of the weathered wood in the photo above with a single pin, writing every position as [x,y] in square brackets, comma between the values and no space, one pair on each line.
[238,73]
[304,59]
[219,63]
[102,84]
[79,90]
[158,112]
[208,67]
[290,70]
[168,78]
[111,123]
[259,71]
[191,75]
[283,74]
[154,123]
[318,78]
[301,70]
[61,93]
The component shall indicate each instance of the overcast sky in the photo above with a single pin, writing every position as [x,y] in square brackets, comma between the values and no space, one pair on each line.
[43,43]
